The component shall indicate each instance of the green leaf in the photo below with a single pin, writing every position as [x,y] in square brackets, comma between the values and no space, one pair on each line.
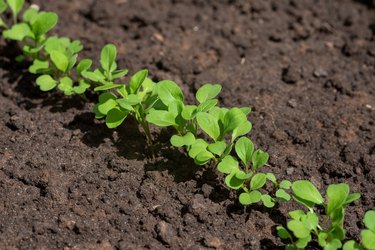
[305,190]
[244,149]
[98,115]
[16,6]
[241,130]
[161,118]
[46,82]
[75,47]
[203,157]
[169,91]
[29,14]
[368,239]
[66,85]
[108,87]
[259,159]
[83,65]
[285,184]
[232,182]
[60,60]
[137,80]
[299,229]
[107,101]
[369,220]
[241,175]
[189,112]
[115,117]
[17,32]
[208,92]
[267,201]
[250,198]
[296,214]
[271,177]
[246,110]
[197,147]
[337,195]
[283,233]
[281,194]
[352,197]
[43,23]
[108,57]
[3,6]
[228,165]
[209,124]
[311,220]
[95,76]
[39,67]
[186,140]
[233,119]
[82,87]
[119,73]
[217,148]
[351,245]
[207,105]
[303,242]
[333,245]
[258,181]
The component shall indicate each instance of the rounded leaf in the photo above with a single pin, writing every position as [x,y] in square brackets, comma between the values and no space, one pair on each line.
[244,149]
[209,124]
[208,92]
[217,148]
[108,57]
[46,82]
[258,181]
[281,194]
[203,157]
[299,229]
[43,23]
[228,165]
[233,119]
[369,220]
[368,239]
[186,140]
[115,117]
[267,201]
[169,91]
[60,60]
[259,159]
[137,80]
[307,191]
[161,118]
[232,182]
[337,195]
[250,198]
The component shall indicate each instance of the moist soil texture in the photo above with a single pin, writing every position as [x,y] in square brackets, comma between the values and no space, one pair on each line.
[307,68]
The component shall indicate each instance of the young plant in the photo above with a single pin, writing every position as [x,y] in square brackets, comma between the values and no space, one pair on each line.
[327,229]
[367,235]
[119,100]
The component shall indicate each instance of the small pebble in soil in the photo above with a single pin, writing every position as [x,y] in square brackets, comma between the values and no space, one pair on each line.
[289,171]
[319,72]
[290,75]
[212,242]
[166,232]
[292,103]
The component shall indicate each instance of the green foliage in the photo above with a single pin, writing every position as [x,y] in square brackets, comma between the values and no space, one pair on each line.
[208,132]
[305,226]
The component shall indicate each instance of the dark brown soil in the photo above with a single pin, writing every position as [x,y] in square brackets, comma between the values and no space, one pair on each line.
[306,67]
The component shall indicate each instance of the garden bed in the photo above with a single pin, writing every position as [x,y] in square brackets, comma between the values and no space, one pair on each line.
[307,68]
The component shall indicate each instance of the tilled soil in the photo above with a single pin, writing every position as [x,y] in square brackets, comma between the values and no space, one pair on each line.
[306,67]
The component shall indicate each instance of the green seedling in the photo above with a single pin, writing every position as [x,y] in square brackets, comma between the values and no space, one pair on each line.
[327,229]
[119,100]
[367,235]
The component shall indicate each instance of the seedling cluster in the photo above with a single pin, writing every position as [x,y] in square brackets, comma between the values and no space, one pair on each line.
[210,134]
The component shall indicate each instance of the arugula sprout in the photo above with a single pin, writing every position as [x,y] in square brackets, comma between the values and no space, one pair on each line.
[305,225]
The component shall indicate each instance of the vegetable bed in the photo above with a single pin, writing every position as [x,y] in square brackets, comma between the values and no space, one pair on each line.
[306,68]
